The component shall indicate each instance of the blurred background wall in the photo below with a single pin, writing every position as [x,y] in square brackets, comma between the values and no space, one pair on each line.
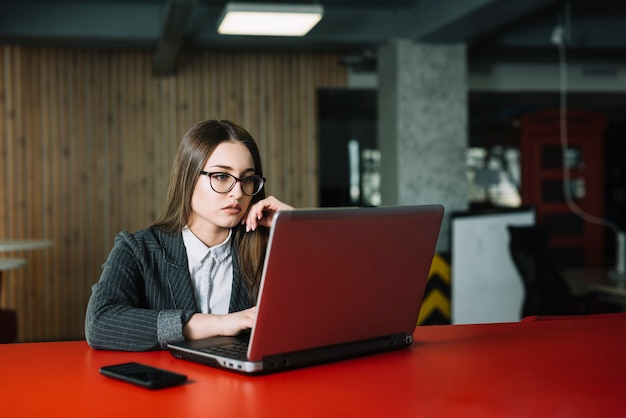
[86,145]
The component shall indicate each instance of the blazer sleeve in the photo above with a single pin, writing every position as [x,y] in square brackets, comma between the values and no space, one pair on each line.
[142,299]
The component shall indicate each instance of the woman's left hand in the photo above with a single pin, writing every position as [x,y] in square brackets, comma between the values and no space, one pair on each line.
[262,213]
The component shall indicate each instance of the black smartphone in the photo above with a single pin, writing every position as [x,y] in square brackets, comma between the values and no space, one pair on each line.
[143,375]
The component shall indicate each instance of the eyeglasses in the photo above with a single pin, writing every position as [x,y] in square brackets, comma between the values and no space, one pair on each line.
[224,182]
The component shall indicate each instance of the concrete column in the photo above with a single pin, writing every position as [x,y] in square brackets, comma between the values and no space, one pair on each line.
[422,127]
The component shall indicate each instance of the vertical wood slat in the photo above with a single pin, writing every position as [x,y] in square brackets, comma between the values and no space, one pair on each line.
[32,143]
[48,129]
[4,60]
[18,205]
[8,171]
[42,259]
[86,145]
[5,105]
[66,205]
[3,169]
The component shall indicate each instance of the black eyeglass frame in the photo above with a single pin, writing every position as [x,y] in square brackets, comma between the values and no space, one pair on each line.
[237,180]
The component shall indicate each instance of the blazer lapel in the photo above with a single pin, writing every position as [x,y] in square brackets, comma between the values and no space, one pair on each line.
[176,267]
[177,271]
[239,299]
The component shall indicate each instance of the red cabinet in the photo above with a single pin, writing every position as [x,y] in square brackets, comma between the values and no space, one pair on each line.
[546,168]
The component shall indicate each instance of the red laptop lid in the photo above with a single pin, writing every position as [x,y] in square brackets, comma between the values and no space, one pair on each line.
[333,276]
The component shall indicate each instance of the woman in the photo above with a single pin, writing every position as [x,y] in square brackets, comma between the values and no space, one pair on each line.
[195,272]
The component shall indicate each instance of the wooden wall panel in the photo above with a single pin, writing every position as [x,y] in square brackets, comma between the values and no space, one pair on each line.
[86,144]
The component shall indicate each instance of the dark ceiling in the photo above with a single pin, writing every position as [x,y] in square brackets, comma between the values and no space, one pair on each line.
[506,29]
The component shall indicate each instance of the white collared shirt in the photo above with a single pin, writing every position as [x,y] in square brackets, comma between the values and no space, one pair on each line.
[211,272]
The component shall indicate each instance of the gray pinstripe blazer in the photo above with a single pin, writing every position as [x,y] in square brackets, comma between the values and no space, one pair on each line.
[145,293]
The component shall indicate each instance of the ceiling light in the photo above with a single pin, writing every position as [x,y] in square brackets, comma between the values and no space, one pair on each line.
[269,19]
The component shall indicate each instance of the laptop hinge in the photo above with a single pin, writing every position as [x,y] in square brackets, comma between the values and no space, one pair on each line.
[336,352]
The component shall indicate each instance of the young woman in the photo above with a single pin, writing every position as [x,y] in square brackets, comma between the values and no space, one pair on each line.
[195,272]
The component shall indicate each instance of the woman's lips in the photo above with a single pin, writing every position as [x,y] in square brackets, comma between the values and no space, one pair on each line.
[232,210]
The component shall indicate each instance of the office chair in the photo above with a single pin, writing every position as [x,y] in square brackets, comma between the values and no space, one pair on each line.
[547,292]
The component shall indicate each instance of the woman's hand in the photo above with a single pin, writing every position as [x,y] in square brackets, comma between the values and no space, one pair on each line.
[262,213]
[208,325]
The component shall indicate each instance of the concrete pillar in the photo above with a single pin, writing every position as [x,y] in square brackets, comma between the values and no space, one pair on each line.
[423,127]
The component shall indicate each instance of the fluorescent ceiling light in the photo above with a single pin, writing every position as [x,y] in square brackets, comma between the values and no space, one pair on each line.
[269,19]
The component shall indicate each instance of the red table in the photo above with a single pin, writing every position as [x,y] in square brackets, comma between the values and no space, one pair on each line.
[557,368]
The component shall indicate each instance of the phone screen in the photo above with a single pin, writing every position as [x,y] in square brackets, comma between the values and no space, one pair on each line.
[143,375]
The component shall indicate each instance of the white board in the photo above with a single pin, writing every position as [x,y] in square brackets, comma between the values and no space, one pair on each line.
[486,286]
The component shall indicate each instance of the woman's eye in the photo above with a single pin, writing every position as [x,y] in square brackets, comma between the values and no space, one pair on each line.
[220,177]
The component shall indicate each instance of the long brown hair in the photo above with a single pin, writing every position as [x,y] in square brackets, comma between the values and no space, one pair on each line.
[195,148]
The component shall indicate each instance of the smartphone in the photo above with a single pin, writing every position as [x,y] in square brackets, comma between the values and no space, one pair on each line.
[143,375]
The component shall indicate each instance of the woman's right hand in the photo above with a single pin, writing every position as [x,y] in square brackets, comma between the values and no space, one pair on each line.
[211,325]
[262,213]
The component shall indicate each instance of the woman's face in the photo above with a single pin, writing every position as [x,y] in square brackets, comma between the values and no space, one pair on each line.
[213,214]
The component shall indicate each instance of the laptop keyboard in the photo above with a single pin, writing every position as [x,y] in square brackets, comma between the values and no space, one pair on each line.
[236,350]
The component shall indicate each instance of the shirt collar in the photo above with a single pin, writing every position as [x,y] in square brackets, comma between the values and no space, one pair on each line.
[197,251]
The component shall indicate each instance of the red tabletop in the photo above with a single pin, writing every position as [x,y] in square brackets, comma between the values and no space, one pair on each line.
[557,368]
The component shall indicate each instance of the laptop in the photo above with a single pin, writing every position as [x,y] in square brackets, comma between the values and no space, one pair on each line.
[337,283]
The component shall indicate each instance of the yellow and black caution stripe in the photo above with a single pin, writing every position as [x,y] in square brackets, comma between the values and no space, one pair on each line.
[435,308]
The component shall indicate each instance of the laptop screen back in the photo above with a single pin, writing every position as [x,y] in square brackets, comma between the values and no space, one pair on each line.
[333,276]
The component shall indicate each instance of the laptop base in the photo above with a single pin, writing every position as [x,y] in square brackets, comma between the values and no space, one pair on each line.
[297,359]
